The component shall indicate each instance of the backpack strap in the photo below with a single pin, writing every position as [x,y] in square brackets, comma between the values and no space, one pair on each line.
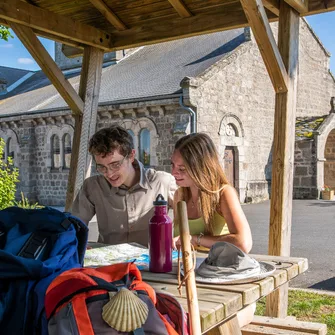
[35,245]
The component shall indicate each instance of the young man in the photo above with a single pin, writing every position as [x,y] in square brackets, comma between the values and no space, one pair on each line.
[122,194]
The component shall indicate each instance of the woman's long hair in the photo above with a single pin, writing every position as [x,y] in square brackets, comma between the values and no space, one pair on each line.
[202,163]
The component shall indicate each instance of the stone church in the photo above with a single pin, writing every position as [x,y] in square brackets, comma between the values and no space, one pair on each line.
[214,83]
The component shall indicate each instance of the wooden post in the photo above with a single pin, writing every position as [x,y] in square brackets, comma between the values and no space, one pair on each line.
[191,288]
[283,153]
[85,124]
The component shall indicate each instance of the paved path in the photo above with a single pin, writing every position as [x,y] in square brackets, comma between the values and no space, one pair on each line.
[313,237]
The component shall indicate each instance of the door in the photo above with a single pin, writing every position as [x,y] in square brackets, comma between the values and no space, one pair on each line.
[229,165]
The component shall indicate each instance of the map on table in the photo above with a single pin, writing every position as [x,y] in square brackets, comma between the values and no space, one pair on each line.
[119,253]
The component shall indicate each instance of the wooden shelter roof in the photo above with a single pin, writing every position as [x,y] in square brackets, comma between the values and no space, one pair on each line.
[119,24]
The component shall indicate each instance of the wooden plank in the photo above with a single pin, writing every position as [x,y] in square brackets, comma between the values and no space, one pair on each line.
[85,127]
[302,326]
[253,329]
[260,26]
[17,11]
[180,8]
[301,6]
[317,6]
[272,6]
[49,67]
[230,327]
[231,302]
[250,292]
[283,153]
[108,14]
[72,52]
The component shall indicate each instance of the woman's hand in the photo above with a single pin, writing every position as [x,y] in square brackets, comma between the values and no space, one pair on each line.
[176,242]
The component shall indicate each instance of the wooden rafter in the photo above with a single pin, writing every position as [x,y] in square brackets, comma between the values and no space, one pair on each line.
[301,6]
[317,6]
[272,6]
[180,8]
[49,67]
[108,14]
[16,11]
[255,13]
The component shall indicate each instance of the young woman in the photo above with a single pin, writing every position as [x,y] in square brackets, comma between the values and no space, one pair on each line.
[213,207]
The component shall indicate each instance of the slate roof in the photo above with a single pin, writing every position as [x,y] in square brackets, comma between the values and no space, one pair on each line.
[11,75]
[151,71]
[306,126]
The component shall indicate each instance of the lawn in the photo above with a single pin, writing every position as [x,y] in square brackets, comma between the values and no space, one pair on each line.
[307,306]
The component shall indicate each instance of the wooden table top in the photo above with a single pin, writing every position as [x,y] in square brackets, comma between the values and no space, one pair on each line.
[219,302]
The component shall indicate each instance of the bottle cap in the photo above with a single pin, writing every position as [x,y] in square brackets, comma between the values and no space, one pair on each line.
[160,201]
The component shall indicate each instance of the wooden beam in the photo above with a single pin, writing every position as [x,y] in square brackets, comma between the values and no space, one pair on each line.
[320,6]
[16,11]
[272,6]
[85,124]
[180,8]
[283,153]
[108,14]
[254,11]
[301,6]
[49,67]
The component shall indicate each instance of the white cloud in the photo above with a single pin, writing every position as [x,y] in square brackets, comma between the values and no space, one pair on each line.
[7,45]
[25,61]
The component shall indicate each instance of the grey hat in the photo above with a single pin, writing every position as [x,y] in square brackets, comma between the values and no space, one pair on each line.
[227,264]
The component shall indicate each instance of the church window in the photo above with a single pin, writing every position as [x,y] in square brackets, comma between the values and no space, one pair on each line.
[55,152]
[145,147]
[67,149]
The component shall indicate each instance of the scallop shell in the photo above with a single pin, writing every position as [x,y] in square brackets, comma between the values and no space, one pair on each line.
[125,311]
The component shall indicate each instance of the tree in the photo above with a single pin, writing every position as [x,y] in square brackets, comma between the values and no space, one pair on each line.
[5,33]
[8,178]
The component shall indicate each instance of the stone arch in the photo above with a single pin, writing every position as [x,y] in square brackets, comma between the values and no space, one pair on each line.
[9,135]
[324,135]
[60,132]
[136,125]
[231,134]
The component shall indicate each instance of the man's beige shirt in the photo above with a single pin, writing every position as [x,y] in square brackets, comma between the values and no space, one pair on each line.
[123,214]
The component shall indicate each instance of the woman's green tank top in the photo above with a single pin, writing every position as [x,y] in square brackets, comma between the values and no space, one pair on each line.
[197,226]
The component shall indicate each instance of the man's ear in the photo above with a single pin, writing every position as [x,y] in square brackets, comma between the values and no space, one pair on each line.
[132,155]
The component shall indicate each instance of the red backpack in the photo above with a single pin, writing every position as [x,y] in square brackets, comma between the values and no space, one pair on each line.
[110,300]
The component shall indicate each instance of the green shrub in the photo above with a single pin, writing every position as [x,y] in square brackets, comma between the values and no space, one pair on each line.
[8,179]
[24,203]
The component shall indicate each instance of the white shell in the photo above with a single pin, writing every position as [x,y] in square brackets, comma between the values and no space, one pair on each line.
[125,311]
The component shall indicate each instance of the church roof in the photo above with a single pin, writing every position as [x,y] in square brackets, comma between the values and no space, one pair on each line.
[11,75]
[306,126]
[151,71]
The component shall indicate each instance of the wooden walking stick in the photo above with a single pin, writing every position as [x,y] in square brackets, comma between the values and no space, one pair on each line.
[191,288]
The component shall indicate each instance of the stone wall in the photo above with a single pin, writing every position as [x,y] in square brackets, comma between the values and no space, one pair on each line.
[305,168]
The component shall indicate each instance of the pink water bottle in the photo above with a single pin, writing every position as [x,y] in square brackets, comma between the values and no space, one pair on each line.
[160,238]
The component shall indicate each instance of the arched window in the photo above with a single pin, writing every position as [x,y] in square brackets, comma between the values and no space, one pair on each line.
[67,149]
[55,152]
[145,147]
[10,149]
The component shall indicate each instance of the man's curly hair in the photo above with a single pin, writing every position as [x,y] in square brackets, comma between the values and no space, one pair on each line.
[109,139]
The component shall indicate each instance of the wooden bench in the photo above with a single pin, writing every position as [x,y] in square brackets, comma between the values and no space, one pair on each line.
[262,325]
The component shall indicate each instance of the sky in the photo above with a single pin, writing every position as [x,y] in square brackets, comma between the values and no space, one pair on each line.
[14,54]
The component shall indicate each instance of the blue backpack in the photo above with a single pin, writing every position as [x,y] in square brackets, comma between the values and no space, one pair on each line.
[36,245]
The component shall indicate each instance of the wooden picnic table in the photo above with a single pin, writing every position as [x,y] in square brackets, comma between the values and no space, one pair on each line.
[218,303]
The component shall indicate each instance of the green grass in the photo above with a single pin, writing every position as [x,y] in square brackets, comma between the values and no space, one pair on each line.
[307,306]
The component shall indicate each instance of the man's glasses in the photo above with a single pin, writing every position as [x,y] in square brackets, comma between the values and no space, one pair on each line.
[115,166]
